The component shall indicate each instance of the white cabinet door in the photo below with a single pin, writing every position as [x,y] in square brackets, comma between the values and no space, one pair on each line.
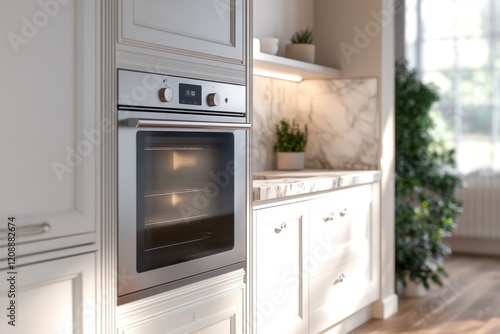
[212,306]
[50,297]
[281,284]
[49,138]
[207,29]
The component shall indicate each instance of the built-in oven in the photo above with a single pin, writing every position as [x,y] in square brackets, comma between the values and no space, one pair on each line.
[182,181]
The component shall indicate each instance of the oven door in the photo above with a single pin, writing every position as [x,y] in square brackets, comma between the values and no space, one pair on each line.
[182,204]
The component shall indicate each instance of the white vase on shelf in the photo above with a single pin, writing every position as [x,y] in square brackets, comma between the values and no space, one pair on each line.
[269,45]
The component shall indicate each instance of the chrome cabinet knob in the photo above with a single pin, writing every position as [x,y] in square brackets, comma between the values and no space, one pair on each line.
[339,279]
[329,217]
[343,212]
[280,228]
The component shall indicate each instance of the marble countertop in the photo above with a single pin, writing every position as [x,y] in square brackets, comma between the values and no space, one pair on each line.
[269,185]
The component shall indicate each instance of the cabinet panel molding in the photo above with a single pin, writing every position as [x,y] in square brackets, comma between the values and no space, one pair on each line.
[206,29]
[203,307]
[281,274]
[50,141]
[56,296]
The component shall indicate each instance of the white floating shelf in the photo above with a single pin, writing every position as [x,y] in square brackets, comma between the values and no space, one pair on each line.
[290,69]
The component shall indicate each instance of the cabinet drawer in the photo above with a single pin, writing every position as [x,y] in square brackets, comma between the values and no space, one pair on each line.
[339,293]
[340,228]
[218,315]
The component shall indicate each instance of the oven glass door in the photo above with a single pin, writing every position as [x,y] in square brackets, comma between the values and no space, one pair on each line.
[185,196]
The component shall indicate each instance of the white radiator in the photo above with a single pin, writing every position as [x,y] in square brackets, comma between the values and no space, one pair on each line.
[481,207]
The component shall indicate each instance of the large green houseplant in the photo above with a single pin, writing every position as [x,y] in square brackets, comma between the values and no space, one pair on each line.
[425,183]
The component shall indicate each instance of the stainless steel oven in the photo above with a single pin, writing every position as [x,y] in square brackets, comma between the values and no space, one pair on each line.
[182,181]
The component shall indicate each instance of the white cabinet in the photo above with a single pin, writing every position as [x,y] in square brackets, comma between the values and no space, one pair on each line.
[316,260]
[281,289]
[206,29]
[344,242]
[213,306]
[56,296]
[49,137]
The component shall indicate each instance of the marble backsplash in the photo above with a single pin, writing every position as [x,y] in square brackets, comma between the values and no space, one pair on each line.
[341,115]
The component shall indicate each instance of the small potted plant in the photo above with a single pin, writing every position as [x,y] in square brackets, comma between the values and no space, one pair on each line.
[290,145]
[301,47]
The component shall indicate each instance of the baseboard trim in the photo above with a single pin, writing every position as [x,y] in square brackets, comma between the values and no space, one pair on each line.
[385,308]
[350,323]
[474,246]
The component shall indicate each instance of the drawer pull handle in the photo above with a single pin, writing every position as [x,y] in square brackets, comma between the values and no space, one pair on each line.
[343,212]
[339,279]
[279,229]
[329,217]
[26,231]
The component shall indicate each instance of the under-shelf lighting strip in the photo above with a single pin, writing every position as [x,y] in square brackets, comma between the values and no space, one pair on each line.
[277,75]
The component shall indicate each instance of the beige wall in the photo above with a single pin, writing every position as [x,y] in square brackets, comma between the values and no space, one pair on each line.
[281,18]
[347,36]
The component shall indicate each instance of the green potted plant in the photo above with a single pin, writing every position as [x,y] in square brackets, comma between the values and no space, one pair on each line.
[426,208]
[301,47]
[290,145]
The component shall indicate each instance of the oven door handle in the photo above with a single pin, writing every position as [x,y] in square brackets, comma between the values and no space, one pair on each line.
[148,123]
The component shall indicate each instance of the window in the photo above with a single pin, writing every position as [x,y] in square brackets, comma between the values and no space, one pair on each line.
[455,44]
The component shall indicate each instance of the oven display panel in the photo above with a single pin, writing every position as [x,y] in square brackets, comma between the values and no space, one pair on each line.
[190,94]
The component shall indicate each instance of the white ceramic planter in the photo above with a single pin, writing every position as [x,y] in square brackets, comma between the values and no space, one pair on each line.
[269,45]
[302,52]
[290,160]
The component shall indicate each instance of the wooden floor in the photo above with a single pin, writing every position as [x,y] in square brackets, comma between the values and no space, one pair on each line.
[469,302]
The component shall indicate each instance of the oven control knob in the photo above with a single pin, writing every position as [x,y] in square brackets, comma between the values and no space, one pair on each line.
[213,99]
[166,94]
